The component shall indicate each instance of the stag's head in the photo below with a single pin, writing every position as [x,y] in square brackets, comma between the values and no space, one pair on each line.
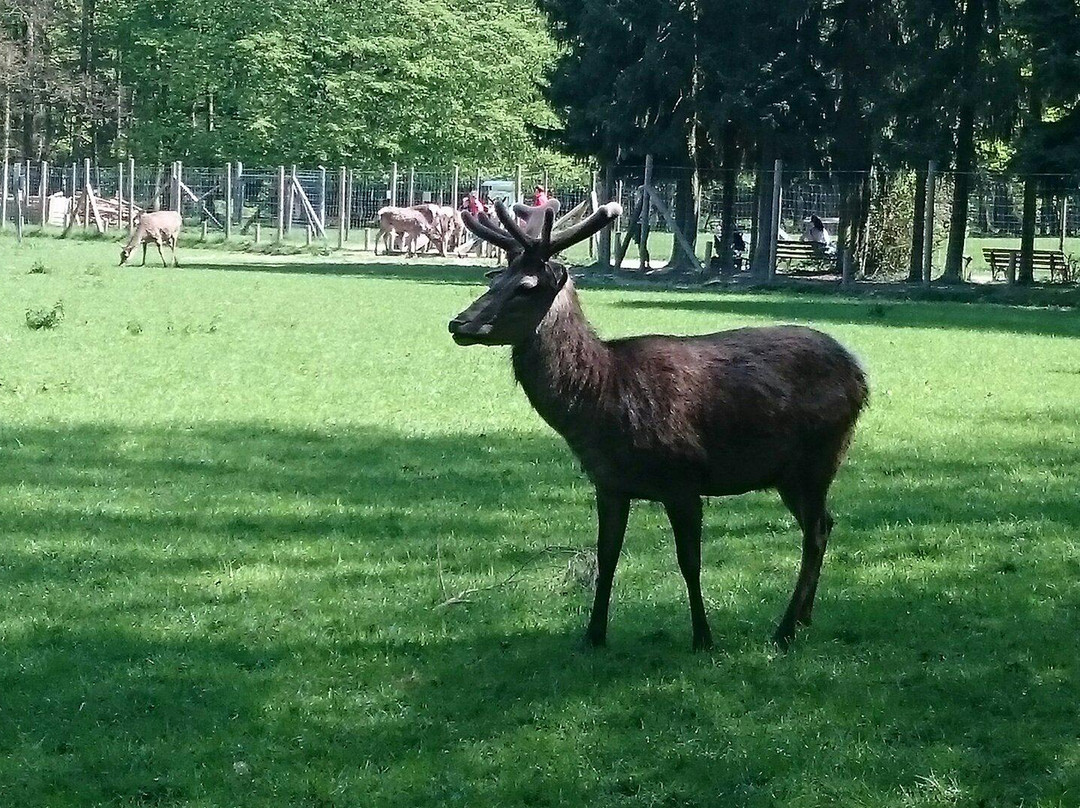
[519,296]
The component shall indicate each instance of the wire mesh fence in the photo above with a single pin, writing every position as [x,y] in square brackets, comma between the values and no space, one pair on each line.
[811,206]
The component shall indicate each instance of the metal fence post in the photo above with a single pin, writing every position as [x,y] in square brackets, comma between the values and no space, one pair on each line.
[393,184]
[455,200]
[517,185]
[412,186]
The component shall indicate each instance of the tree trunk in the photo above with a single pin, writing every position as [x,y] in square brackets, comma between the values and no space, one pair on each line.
[1026,271]
[687,205]
[973,31]
[764,227]
[730,156]
[918,230]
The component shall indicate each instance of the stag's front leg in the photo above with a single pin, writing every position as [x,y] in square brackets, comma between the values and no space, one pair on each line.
[685,516]
[612,511]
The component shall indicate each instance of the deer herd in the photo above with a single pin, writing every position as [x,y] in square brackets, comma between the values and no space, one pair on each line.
[420,228]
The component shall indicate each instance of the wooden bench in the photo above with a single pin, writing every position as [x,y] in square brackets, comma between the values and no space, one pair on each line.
[807,251]
[1004,260]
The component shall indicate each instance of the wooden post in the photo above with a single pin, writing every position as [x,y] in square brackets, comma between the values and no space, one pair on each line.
[393,184]
[1064,221]
[203,233]
[228,200]
[367,244]
[348,203]
[412,186]
[517,185]
[119,193]
[43,191]
[239,192]
[928,226]
[307,235]
[86,187]
[455,200]
[4,191]
[291,202]
[479,182]
[322,197]
[280,203]
[774,236]
[131,194]
[646,206]
[20,186]
[178,199]
[258,232]
[341,208]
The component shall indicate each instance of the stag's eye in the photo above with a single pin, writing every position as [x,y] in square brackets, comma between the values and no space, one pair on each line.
[528,283]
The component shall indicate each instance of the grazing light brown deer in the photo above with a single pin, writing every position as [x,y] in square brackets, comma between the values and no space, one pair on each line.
[156,227]
[670,419]
[410,224]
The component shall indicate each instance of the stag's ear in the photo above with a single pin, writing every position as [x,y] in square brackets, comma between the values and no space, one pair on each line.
[557,273]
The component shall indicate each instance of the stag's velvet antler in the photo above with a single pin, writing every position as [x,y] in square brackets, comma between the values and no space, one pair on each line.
[517,240]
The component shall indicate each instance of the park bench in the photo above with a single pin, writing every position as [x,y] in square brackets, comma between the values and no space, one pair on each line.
[1004,260]
[804,251]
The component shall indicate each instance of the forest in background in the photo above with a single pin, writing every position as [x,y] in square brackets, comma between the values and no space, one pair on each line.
[713,87]
[318,81]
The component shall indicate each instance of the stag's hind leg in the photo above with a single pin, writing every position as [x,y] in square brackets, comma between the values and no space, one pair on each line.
[685,516]
[807,503]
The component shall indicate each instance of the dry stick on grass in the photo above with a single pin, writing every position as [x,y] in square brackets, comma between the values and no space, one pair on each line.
[464,595]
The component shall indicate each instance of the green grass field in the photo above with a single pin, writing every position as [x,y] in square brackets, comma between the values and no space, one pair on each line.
[235,499]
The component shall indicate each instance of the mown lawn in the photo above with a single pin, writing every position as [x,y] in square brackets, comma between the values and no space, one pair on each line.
[235,498]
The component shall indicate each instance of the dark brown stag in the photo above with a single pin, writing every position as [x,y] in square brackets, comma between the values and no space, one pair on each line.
[670,419]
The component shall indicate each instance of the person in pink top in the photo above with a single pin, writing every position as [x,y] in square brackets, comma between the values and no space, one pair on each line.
[541,196]
[473,203]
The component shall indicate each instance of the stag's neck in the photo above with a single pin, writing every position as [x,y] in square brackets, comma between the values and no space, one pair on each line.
[564,368]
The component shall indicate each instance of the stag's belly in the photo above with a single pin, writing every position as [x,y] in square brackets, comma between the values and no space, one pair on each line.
[659,476]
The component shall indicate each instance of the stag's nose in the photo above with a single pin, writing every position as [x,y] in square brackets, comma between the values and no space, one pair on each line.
[465,325]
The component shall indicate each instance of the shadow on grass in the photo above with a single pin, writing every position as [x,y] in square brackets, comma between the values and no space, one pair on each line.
[248,615]
[967,316]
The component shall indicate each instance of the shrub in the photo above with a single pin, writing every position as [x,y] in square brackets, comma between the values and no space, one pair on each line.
[38,268]
[45,318]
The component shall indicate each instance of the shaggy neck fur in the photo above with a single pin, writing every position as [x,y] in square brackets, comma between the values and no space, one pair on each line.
[565,369]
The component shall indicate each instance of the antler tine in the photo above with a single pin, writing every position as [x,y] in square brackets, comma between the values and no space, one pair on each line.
[545,236]
[487,232]
[511,225]
[603,216]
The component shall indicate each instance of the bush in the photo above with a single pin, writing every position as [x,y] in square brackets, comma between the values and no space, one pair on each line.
[45,318]
[38,268]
